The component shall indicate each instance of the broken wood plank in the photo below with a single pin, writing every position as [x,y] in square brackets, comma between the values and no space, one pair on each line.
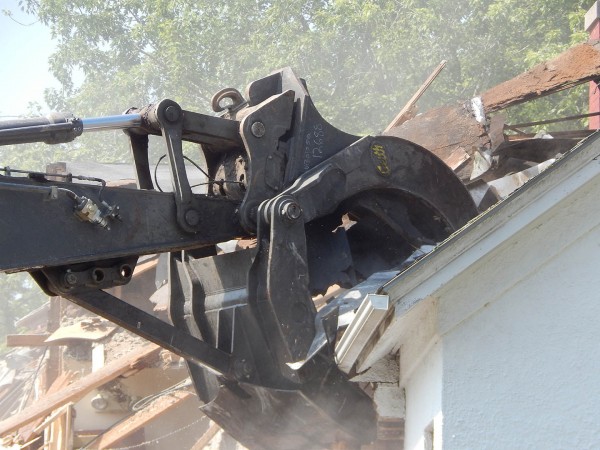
[575,66]
[457,158]
[141,419]
[53,365]
[404,113]
[26,340]
[52,417]
[451,131]
[136,359]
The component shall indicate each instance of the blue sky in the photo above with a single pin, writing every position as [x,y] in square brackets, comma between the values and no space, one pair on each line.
[24,52]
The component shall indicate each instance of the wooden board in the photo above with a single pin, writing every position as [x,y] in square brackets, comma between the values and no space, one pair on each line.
[63,380]
[451,132]
[577,65]
[26,340]
[454,134]
[207,437]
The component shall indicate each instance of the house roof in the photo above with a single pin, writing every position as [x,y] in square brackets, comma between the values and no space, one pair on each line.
[480,237]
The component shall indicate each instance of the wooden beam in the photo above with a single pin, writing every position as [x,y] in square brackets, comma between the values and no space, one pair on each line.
[53,365]
[453,133]
[450,132]
[52,417]
[145,266]
[136,359]
[26,340]
[575,66]
[141,419]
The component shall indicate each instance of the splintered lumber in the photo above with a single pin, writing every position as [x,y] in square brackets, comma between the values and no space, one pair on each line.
[451,132]
[577,65]
[405,113]
[27,432]
[136,359]
[141,419]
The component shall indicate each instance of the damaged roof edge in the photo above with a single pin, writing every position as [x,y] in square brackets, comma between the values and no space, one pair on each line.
[483,234]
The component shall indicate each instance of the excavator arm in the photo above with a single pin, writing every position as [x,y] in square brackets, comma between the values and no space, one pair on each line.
[325,207]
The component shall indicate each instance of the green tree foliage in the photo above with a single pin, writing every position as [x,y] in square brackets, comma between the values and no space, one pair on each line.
[362,59]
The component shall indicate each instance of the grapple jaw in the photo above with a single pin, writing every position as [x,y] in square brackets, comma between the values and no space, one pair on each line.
[322,411]
[287,391]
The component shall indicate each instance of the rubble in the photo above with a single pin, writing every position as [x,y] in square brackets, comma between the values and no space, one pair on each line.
[475,141]
[88,387]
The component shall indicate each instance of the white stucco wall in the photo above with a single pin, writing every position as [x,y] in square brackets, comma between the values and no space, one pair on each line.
[521,359]
[423,390]
[524,372]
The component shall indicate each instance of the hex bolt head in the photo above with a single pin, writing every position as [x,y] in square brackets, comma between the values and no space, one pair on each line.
[192,218]
[258,129]
[70,279]
[242,369]
[291,210]
[172,113]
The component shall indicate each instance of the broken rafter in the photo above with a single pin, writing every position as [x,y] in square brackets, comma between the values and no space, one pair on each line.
[456,133]
[405,113]
[61,382]
[575,66]
[52,417]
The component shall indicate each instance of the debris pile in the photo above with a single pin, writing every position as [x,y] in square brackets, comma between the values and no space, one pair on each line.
[491,156]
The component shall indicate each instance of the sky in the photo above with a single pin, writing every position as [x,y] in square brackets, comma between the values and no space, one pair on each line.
[24,52]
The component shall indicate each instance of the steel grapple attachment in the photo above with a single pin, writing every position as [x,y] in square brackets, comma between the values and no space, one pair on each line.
[325,207]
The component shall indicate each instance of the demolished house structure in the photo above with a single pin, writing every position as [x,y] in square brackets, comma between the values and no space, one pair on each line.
[487,337]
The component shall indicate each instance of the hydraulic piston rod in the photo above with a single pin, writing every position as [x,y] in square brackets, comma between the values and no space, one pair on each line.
[60,128]
[112,122]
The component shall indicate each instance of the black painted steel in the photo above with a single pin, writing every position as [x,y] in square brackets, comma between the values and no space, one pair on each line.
[245,321]
[52,129]
[38,231]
